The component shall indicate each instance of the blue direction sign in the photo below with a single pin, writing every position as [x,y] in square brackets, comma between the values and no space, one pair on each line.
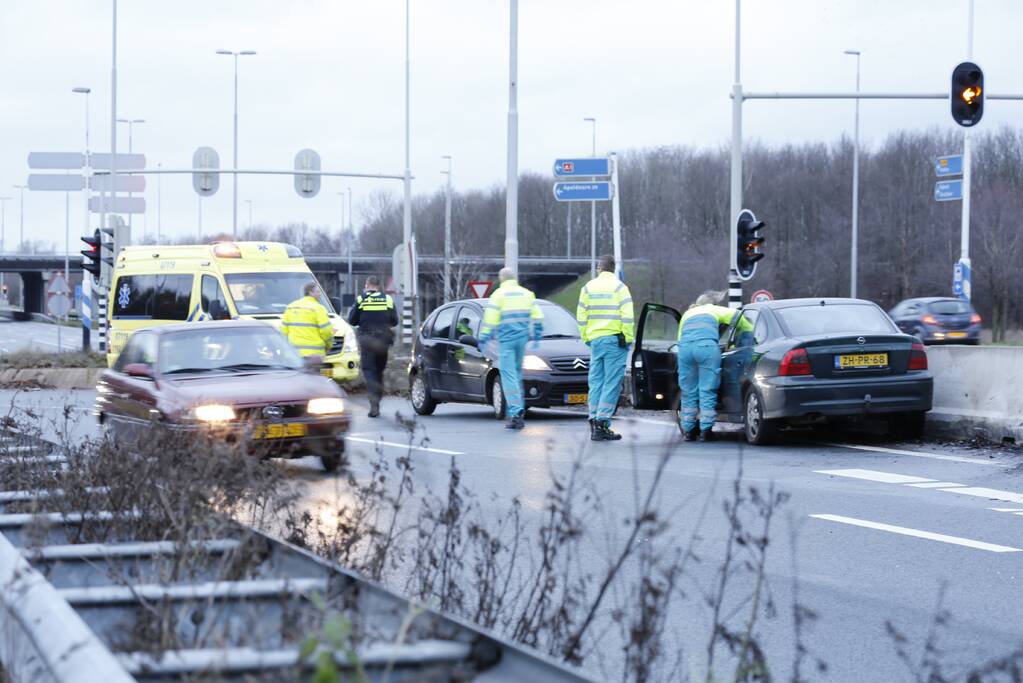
[950,165]
[567,168]
[599,191]
[948,190]
[961,277]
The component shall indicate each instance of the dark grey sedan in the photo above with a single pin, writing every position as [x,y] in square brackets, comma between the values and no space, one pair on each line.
[807,361]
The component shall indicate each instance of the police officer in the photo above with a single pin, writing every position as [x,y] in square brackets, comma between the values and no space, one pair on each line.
[374,315]
[606,324]
[509,314]
[306,325]
[699,362]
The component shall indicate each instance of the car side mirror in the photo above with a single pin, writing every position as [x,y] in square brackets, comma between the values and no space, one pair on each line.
[468,340]
[335,301]
[143,370]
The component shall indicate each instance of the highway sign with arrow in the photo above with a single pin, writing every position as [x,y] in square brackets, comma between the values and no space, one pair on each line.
[598,191]
[564,168]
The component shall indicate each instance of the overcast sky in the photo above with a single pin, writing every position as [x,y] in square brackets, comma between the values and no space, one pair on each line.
[329,76]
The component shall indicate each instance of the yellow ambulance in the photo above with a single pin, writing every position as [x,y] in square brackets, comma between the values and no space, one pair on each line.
[165,284]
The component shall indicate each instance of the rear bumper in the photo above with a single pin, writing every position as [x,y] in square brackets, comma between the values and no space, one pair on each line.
[794,397]
[941,335]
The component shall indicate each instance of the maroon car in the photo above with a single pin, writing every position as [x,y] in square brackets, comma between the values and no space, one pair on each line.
[240,381]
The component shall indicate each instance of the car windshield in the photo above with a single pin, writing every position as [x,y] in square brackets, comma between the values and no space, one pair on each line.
[558,323]
[243,348]
[268,293]
[950,307]
[804,321]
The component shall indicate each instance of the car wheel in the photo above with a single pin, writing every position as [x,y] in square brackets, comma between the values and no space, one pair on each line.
[330,462]
[419,394]
[497,399]
[759,430]
[907,425]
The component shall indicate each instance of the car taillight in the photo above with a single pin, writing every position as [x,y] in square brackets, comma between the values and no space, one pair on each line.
[796,362]
[929,319]
[918,358]
[975,319]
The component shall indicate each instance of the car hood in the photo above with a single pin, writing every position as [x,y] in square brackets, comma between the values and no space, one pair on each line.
[553,348]
[248,388]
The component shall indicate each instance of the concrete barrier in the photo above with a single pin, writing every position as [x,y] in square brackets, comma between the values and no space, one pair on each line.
[978,391]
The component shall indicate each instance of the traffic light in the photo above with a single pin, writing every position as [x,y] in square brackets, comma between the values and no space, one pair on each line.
[90,255]
[967,94]
[107,245]
[748,243]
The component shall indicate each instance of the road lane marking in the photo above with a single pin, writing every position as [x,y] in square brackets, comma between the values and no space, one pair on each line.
[392,444]
[873,475]
[936,485]
[917,533]
[1006,509]
[919,454]
[993,494]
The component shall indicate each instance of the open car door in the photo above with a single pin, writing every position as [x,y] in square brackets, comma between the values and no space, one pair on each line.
[655,359]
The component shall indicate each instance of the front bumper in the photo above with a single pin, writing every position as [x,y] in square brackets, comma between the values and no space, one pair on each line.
[323,436]
[342,367]
[796,397]
[543,390]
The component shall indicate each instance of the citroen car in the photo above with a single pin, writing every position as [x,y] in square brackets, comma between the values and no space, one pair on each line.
[238,381]
[806,361]
[450,365]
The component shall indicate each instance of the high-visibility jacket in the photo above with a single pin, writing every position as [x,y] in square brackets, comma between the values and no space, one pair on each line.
[605,308]
[509,312]
[702,322]
[374,315]
[307,327]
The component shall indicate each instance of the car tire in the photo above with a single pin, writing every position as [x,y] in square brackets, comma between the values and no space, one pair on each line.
[758,430]
[907,425]
[419,396]
[330,462]
[497,402]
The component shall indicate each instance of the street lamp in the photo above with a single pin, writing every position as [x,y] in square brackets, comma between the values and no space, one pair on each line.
[854,257]
[593,205]
[351,281]
[447,232]
[3,231]
[236,55]
[131,128]
[21,217]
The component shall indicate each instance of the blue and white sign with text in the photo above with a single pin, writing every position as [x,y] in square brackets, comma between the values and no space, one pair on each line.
[566,168]
[599,191]
[950,165]
[948,190]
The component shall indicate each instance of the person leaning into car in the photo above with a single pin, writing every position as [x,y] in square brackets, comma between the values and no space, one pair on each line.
[375,316]
[306,325]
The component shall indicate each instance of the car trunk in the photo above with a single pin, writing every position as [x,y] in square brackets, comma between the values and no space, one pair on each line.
[952,321]
[833,357]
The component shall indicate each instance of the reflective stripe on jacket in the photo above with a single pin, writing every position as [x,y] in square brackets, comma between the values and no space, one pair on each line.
[509,312]
[605,308]
[307,327]
[702,322]
[374,315]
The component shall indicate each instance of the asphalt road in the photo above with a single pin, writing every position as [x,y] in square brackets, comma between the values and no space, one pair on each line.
[871,532]
[33,336]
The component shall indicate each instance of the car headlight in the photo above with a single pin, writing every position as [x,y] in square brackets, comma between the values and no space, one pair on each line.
[325,406]
[532,362]
[351,344]
[213,412]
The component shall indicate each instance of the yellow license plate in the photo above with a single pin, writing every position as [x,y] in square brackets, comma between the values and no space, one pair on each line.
[861,360]
[279,431]
[576,398]
[327,371]
[957,335]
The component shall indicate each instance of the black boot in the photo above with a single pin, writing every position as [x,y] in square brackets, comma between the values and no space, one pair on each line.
[608,435]
[691,434]
[593,431]
[374,407]
[516,422]
[707,434]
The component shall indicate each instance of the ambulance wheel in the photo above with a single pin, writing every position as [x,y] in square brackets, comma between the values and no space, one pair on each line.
[497,401]
[419,394]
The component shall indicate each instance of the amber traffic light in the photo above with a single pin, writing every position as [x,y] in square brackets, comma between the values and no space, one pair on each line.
[967,94]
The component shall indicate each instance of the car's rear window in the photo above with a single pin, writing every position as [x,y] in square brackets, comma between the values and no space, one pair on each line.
[801,321]
[949,307]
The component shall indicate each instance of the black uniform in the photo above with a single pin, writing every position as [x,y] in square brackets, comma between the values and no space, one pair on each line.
[375,316]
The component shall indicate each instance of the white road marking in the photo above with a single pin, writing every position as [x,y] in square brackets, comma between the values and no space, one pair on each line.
[936,485]
[872,475]
[1006,509]
[392,444]
[993,494]
[917,533]
[919,454]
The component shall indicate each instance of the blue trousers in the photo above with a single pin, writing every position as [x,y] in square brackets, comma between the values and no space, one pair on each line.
[510,359]
[607,368]
[699,375]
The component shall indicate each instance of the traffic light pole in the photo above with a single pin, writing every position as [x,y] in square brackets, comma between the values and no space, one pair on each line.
[735,195]
[964,264]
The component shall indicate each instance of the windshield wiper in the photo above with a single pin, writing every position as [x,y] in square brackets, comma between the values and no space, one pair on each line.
[559,336]
[181,371]
[254,366]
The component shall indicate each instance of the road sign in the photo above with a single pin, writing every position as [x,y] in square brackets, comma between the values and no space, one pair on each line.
[950,165]
[480,288]
[56,160]
[56,182]
[123,183]
[117,204]
[58,285]
[125,162]
[598,191]
[205,184]
[566,168]
[58,305]
[948,190]
[760,296]
[961,276]
[307,185]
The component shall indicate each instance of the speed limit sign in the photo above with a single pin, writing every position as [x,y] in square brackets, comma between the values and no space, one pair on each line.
[760,296]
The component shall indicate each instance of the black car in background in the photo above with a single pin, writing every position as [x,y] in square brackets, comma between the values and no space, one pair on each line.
[806,361]
[449,365]
[938,320]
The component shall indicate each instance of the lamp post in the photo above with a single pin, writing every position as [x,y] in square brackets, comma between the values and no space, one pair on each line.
[21,215]
[447,232]
[593,205]
[236,55]
[351,281]
[854,255]
[3,231]
[511,216]
[131,132]
[343,239]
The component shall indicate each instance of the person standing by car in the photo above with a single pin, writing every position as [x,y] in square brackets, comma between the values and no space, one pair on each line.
[306,325]
[375,316]
[508,315]
[699,363]
[606,324]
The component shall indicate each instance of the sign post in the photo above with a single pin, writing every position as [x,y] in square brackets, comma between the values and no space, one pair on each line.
[58,304]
